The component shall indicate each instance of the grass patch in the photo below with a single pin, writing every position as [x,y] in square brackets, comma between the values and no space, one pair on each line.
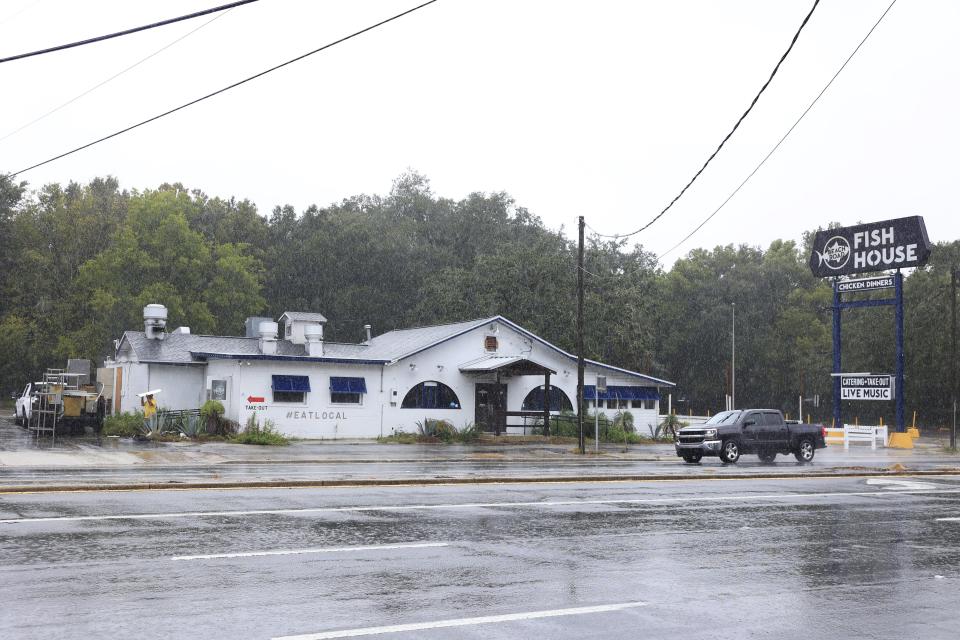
[265,434]
[399,437]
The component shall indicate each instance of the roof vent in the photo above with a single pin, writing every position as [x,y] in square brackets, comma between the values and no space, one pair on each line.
[252,325]
[294,323]
[268,337]
[154,321]
[313,339]
[182,330]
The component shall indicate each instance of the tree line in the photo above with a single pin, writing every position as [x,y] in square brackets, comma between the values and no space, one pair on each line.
[79,262]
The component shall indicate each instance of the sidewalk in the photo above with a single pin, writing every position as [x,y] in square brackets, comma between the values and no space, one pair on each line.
[111,463]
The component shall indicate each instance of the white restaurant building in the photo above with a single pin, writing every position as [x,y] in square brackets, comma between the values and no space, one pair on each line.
[313,388]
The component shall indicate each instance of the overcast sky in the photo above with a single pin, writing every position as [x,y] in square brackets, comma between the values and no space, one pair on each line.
[603,108]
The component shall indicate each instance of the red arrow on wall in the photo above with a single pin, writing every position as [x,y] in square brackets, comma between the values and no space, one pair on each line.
[252,399]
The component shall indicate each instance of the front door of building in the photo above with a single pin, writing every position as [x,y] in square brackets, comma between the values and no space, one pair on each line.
[491,401]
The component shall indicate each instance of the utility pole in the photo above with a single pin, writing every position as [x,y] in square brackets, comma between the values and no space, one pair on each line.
[733,356]
[953,353]
[580,339]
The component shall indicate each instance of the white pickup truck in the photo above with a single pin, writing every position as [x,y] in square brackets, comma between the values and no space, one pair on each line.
[24,405]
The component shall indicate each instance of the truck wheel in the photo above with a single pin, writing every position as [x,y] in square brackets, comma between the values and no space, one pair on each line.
[767,456]
[692,458]
[805,451]
[730,452]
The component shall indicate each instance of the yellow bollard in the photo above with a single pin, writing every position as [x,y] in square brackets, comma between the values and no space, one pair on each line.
[913,432]
[856,421]
[881,421]
[900,441]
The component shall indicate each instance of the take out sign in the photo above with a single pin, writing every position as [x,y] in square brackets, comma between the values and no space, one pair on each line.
[878,246]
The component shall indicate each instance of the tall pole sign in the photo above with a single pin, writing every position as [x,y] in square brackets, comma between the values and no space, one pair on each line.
[878,246]
[865,248]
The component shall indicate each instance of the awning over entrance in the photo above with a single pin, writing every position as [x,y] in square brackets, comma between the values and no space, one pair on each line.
[512,365]
[491,398]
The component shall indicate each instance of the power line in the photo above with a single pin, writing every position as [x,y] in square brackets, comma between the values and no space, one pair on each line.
[227,88]
[588,272]
[126,32]
[789,131]
[113,77]
[727,137]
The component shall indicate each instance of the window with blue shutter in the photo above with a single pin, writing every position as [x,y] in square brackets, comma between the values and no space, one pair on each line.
[344,390]
[290,388]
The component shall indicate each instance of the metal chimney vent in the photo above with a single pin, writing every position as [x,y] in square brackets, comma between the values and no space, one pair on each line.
[154,321]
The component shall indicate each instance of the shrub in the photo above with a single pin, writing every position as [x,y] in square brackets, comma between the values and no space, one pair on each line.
[669,427]
[125,425]
[211,413]
[468,433]
[618,434]
[211,409]
[435,431]
[228,428]
[431,429]
[266,434]
[624,420]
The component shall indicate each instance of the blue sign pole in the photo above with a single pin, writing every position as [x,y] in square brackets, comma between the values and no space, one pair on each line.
[899,320]
[837,416]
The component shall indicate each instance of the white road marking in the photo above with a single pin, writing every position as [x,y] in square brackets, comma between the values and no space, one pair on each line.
[290,552]
[463,622]
[479,505]
[948,519]
[899,485]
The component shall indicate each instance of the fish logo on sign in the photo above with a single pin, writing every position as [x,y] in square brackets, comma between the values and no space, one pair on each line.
[835,254]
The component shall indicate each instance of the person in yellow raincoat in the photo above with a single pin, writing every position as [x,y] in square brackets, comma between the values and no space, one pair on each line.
[149,412]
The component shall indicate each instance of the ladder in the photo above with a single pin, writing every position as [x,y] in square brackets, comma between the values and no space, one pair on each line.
[49,406]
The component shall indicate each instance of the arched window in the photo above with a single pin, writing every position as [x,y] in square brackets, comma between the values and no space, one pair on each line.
[558,400]
[431,395]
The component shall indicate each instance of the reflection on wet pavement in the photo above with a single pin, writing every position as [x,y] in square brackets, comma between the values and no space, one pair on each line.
[722,559]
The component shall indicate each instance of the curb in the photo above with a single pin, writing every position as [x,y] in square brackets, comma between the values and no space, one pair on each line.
[399,482]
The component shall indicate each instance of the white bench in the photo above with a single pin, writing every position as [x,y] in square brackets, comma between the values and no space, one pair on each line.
[864,433]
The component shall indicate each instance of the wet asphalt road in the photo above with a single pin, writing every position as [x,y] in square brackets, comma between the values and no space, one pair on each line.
[832,460]
[804,558]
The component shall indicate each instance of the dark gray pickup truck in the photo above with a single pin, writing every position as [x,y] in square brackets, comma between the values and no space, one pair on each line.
[730,434]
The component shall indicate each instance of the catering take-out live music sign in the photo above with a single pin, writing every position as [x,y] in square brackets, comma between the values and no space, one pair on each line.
[868,386]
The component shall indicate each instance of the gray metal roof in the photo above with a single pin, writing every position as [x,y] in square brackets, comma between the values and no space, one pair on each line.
[385,348]
[177,347]
[394,345]
[303,316]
